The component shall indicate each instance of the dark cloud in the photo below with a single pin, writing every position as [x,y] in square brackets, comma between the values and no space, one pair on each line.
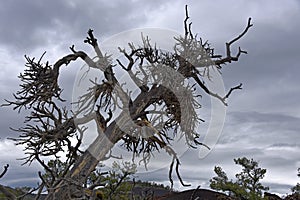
[24,24]
[263,118]
[260,129]
[269,72]
[15,175]
[280,189]
[288,122]
[272,139]
[9,120]
[31,24]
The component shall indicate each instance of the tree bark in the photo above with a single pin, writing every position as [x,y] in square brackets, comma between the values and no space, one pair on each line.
[71,186]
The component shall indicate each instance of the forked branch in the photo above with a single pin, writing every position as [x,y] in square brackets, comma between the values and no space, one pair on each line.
[229,58]
[166,105]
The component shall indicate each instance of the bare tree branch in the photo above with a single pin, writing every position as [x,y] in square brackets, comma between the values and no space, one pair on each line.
[229,58]
[4,171]
[171,85]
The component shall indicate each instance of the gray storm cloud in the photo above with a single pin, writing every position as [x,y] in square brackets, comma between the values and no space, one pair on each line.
[262,120]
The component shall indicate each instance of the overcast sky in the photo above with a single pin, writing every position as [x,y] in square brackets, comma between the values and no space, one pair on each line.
[263,120]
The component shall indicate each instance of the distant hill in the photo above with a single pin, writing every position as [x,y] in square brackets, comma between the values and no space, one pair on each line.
[162,193]
[18,193]
[202,194]
[151,191]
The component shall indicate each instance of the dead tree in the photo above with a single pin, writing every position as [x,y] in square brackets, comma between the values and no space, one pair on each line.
[51,128]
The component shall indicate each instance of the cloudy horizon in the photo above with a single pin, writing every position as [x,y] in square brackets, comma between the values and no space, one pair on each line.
[262,120]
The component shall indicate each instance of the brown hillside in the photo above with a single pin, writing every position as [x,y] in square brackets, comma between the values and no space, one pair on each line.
[202,194]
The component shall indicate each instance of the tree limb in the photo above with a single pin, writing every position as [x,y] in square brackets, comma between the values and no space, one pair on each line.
[4,171]
[229,58]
